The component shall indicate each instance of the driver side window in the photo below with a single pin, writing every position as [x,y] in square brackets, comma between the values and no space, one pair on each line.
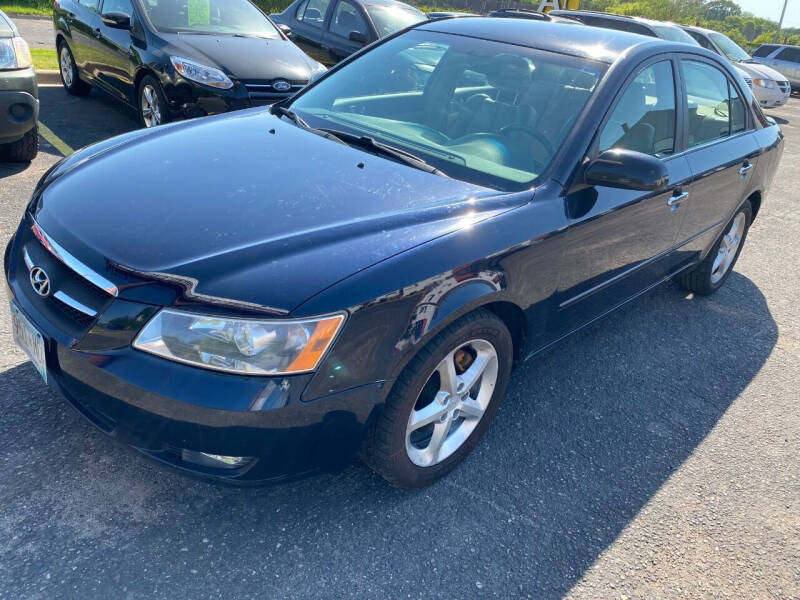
[644,118]
[346,18]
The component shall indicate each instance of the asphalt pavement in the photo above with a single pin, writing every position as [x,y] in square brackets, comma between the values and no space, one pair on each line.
[37,31]
[655,454]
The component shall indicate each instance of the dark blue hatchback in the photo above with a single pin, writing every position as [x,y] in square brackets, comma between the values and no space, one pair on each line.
[358,268]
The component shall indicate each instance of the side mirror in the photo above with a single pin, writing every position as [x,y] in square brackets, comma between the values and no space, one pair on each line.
[287,31]
[629,170]
[357,37]
[117,20]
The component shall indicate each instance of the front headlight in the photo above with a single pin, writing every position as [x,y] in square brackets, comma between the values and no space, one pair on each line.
[14,54]
[246,346]
[201,73]
[765,83]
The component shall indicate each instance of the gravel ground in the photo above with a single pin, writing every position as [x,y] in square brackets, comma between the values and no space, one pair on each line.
[652,455]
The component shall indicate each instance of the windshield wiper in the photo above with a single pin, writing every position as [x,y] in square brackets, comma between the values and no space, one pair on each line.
[368,143]
[291,115]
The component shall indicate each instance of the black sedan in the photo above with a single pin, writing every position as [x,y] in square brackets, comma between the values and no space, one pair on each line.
[359,270]
[330,30]
[177,58]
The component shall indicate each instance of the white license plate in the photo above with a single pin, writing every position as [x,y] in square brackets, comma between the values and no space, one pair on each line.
[29,339]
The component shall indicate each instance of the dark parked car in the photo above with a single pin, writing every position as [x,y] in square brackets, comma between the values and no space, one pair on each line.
[355,269]
[169,59]
[19,104]
[330,30]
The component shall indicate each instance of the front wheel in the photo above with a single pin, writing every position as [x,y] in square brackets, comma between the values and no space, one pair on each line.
[442,403]
[707,277]
[23,150]
[153,105]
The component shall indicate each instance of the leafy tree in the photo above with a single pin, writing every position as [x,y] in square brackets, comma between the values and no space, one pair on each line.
[719,10]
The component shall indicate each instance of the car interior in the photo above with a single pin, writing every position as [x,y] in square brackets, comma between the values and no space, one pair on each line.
[501,113]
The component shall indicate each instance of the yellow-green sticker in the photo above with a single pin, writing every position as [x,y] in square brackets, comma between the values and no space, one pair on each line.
[199,12]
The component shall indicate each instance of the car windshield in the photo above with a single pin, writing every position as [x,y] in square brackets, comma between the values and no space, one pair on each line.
[215,17]
[729,48]
[388,19]
[674,34]
[490,113]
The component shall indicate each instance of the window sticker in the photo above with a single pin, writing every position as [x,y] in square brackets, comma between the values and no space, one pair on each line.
[199,12]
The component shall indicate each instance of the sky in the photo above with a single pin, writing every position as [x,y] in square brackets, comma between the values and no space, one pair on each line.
[771,9]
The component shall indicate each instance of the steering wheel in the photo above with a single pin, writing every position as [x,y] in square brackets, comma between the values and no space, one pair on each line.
[534,134]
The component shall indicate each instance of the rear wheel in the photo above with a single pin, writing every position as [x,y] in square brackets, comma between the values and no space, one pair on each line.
[23,150]
[443,402]
[72,82]
[710,275]
[153,106]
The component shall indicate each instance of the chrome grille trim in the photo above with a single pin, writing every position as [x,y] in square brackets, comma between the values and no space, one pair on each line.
[72,303]
[73,263]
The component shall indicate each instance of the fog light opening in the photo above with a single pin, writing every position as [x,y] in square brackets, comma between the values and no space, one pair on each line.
[216,461]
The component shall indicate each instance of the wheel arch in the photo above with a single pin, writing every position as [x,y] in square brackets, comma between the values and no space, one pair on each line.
[755,203]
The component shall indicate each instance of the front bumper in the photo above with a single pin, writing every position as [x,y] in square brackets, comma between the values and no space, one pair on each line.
[19,112]
[188,99]
[771,97]
[170,411]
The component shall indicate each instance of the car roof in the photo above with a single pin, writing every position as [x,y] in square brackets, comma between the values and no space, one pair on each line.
[389,3]
[697,28]
[595,43]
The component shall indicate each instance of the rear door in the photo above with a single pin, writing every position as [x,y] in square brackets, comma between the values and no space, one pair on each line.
[115,69]
[84,22]
[720,147]
[620,241]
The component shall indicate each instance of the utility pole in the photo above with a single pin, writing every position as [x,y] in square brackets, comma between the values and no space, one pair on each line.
[780,23]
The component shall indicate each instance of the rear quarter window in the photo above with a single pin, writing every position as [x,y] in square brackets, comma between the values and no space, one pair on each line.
[764,50]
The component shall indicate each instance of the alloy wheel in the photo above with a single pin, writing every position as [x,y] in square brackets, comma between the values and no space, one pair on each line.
[451,403]
[728,248]
[66,66]
[151,106]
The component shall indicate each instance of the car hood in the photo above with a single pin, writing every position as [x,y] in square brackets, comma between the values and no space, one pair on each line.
[246,207]
[248,58]
[754,70]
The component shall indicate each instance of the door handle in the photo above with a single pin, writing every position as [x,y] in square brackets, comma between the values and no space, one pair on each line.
[674,201]
[97,33]
[744,169]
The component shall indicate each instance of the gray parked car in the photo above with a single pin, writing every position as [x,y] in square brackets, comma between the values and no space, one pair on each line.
[19,104]
[770,87]
[784,59]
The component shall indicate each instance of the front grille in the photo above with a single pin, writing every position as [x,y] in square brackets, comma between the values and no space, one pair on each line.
[262,92]
[785,87]
[73,303]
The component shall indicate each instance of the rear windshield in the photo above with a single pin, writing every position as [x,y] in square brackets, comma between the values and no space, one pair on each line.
[490,113]
[215,17]
[674,34]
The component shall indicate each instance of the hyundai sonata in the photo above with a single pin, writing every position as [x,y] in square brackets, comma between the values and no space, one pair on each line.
[357,269]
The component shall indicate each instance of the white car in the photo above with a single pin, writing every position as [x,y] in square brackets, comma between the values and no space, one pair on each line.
[770,88]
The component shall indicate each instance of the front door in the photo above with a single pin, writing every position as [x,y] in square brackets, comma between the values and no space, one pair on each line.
[346,19]
[620,241]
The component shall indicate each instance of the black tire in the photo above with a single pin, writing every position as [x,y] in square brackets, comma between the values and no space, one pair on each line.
[23,150]
[700,280]
[163,104]
[384,449]
[75,86]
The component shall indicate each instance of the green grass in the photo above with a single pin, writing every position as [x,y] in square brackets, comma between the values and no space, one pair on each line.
[31,8]
[44,59]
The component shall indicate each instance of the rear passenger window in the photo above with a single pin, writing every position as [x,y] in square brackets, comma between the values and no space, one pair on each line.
[715,109]
[790,54]
[90,4]
[765,50]
[644,118]
[314,13]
